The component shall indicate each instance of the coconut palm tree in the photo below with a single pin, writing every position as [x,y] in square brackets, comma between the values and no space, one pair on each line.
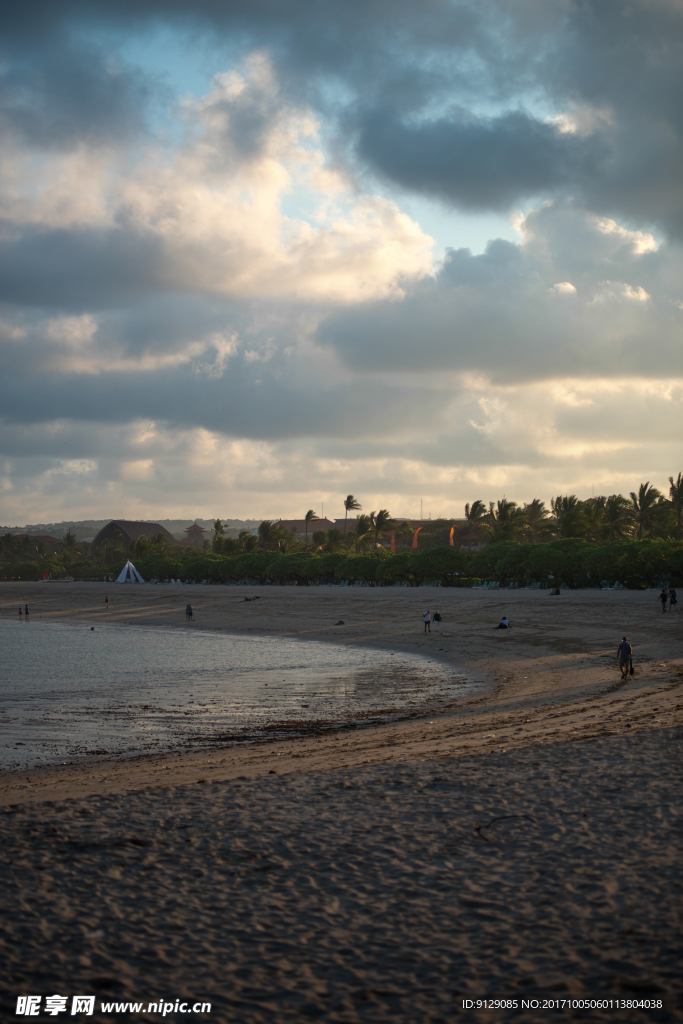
[218,531]
[475,512]
[537,520]
[594,516]
[70,551]
[351,505]
[363,530]
[270,534]
[617,519]
[381,521]
[646,508]
[247,540]
[504,520]
[568,514]
[310,517]
[676,501]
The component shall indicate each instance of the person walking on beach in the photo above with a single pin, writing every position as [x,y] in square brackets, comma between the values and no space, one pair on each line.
[106,604]
[26,610]
[426,618]
[624,654]
[21,614]
[673,600]
[436,619]
[663,597]
[189,612]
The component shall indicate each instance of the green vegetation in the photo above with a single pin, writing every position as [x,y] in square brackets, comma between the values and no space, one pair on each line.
[635,541]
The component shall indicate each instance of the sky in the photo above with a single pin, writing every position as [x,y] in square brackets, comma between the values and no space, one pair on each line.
[257,256]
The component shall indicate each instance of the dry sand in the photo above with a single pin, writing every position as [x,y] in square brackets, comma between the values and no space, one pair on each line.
[355,876]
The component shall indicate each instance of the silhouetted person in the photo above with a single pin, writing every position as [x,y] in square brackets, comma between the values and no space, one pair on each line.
[664,597]
[426,619]
[673,600]
[504,623]
[436,619]
[624,654]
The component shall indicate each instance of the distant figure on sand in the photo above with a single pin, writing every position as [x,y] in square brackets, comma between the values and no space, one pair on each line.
[664,597]
[555,593]
[673,600]
[624,654]
[426,618]
[26,610]
[106,604]
[504,623]
[21,614]
[189,612]
[436,619]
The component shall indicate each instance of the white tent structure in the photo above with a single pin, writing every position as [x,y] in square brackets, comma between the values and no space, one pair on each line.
[129,574]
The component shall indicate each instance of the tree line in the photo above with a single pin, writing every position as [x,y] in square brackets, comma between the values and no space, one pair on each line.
[645,515]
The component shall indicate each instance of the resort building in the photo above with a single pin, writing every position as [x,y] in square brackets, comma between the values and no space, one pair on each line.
[299,525]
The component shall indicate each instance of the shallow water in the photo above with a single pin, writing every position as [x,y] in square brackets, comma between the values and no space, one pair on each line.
[68,691]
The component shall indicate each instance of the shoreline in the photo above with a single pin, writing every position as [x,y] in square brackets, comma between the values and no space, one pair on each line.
[522,703]
[523,844]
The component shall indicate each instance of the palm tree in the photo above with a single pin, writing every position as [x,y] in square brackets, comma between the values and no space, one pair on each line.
[676,500]
[310,517]
[350,505]
[218,532]
[569,516]
[504,521]
[270,534]
[537,519]
[70,552]
[475,512]
[382,521]
[594,515]
[334,537]
[617,520]
[363,530]
[645,508]
[247,540]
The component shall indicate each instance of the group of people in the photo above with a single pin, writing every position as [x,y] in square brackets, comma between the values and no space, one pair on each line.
[428,618]
[23,611]
[668,596]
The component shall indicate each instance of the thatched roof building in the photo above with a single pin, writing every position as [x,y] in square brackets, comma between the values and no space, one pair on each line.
[131,532]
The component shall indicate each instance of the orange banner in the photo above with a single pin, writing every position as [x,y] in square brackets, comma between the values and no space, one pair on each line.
[451,539]
[415,538]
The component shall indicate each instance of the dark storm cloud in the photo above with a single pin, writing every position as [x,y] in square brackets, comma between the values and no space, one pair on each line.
[67,93]
[241,403]
[391,75]
[476,163]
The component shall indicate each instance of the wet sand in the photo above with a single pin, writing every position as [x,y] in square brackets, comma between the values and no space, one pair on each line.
[359,876]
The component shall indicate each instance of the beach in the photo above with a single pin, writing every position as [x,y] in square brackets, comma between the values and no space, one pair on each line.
[524,840]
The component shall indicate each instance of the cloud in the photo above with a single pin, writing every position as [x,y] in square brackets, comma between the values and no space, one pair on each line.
[226,289]
[477,163]
[209,219]
[506,314]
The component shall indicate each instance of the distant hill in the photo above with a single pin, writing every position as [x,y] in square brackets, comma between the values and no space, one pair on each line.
[85,529]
